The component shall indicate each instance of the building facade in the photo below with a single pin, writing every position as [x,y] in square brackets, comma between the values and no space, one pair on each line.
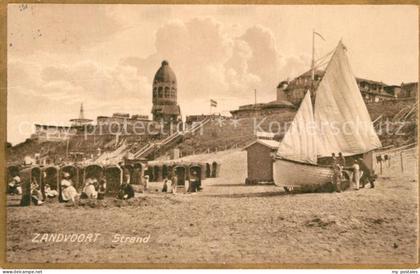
[372,91]
[263,109]
[51,133]
[409,90]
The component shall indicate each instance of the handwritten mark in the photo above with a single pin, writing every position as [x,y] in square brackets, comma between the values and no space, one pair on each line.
[23,7]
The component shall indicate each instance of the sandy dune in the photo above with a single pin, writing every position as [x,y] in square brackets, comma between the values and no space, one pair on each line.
[232,223]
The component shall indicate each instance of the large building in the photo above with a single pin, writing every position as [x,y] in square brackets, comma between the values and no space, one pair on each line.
[263,109]
[409,90]
[372,91]
[165,107]
[51,133]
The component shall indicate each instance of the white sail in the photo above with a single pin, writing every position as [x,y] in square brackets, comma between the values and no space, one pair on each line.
[299,142]
[343,122]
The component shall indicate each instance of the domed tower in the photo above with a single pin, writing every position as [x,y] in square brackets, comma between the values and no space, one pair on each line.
[165,107]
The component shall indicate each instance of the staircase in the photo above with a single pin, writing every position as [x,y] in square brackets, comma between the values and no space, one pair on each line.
[168,142]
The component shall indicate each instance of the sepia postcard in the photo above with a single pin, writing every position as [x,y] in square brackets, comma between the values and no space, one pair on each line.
[210,136]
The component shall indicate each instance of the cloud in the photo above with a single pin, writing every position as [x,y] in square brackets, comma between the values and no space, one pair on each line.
[293,66]
[208,60]
[53,94]
[67,28]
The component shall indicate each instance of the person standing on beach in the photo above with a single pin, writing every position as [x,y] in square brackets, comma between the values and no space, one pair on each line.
[337,176]
[145,182]
[194,183]
[165,185]
[333,159]
[341,160]
[174,183]
[366,177]
[356,174]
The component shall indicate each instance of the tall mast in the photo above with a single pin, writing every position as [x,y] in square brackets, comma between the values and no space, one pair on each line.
[313,55]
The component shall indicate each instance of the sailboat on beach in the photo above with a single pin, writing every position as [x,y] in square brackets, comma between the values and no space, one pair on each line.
[338,122]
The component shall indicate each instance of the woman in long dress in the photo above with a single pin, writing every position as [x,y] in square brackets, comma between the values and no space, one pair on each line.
[356,174]
[68,192]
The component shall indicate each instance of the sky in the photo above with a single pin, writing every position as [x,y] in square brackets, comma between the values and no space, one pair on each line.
[105,56]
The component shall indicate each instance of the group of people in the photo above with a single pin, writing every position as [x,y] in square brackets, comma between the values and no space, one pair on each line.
[95,187]
[30,191]
[170,183]
[361,173]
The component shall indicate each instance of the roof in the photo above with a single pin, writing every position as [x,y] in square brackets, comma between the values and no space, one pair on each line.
[279,103]
[165,74]
[321,73]
[372,82]
[409,85]
[262,106]
[52,126]
[268,143]
[81,120]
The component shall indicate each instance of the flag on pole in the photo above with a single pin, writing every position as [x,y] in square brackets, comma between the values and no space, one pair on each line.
[319,35]
[213,103]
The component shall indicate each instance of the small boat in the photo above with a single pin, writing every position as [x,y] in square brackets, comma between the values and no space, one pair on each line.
[338,122]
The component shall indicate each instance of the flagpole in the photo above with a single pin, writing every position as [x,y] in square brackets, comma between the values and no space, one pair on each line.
[313,55]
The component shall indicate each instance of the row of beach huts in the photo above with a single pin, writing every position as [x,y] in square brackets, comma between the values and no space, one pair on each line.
[113,174]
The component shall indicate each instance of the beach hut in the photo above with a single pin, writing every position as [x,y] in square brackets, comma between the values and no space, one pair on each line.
[137,171]
[74,172]
[259,160]
[171,167]
[215,169]
[165,171]
[93,171]
[141,167]
[28,176]
[36,177]
[203,170]
[198,170]
[148,170]
[12,171]
[157,173]
[25,183]
[114,178]
[208,170]
[181,173]
[51,176]
[151,173]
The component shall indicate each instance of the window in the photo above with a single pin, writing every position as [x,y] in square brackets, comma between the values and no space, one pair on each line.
[154,93]
[166,92]
[160,92]
[173,92]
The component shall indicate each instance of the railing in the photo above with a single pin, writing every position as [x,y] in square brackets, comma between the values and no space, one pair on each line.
[150,148]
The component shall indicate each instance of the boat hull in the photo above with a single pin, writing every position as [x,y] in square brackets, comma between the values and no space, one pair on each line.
[294,174]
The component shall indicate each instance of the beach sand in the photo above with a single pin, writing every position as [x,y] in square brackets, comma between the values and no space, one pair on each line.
[230,222]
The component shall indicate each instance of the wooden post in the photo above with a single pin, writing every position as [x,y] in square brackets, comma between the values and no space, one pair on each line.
[402,162]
